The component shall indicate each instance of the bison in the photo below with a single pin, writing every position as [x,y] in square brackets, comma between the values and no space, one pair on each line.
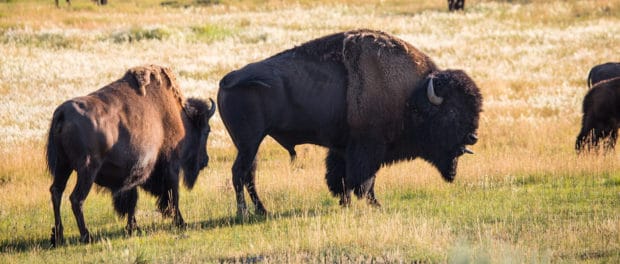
[454,5]
[370,98]
[99,2]
[136,131]
[601,116]
[603,72]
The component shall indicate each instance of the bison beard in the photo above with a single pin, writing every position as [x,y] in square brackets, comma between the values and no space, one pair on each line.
[136,131]
[372,99]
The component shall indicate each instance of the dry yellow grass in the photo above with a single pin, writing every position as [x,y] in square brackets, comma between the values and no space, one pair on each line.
[519,198]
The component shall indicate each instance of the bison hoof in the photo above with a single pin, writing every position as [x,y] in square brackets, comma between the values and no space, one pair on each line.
[57,238]
[131,229]
[86,238]
[243,216]
[261,211]
[374,203]
[345,200]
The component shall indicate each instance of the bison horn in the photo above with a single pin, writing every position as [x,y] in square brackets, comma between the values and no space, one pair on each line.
[466,150]
[212,110]
[430,92]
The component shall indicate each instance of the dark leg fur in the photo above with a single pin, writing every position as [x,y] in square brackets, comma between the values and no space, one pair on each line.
[168,203]
[335,177]
[363,160]
[125,205]
[86,178]
[59,167]
[454,5]
[610,142]
[244,171]
[61,174]
[250,181]
[371,198]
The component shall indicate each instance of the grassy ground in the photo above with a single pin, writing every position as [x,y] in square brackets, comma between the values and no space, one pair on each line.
[524,197]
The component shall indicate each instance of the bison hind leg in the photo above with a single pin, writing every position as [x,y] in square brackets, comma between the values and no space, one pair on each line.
[61,174]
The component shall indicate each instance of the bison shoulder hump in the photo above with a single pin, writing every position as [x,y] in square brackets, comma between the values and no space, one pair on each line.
[374,39]
[146,73]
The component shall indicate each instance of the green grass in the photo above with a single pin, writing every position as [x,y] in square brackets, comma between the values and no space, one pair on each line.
[524,197]
[525,219]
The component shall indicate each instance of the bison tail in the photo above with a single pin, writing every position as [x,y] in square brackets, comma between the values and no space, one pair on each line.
[54,154]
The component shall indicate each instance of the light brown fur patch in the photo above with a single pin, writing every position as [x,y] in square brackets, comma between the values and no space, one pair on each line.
[145,74]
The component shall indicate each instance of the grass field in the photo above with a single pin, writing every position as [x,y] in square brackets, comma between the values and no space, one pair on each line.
[525,196]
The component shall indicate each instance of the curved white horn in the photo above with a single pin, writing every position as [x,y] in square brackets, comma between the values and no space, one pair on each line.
[212,109]
[430,92]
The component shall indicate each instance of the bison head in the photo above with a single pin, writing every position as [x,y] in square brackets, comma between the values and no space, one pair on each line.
[445,113]
[195,156]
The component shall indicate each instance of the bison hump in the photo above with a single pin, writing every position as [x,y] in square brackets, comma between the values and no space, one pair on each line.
[156,77]
[382,72]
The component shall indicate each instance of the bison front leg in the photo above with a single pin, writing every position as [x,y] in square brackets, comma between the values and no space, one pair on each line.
[169,203]
[178,218]
[86,178]
[363,159]
[335,176]
[371,198]
[125,204]
[610,142]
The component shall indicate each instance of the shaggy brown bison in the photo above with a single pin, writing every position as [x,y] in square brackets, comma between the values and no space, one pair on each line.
[369,97]
[601,116]
[454,5]
[136,131]
[603,72]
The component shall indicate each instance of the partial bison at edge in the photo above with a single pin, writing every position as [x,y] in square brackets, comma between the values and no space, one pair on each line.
[603,72]
[136,131]
[601,117]
[371,98]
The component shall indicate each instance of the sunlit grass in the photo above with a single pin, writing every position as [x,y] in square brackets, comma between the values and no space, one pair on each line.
[525,196]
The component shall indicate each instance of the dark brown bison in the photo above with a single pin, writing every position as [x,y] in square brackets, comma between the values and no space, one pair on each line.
[454,5]
[136,131]
[99,2]
[601,116]
[603,72]
[371,98]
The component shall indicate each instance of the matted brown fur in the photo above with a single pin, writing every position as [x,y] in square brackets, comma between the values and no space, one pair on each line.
[383,70]
[144,74]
